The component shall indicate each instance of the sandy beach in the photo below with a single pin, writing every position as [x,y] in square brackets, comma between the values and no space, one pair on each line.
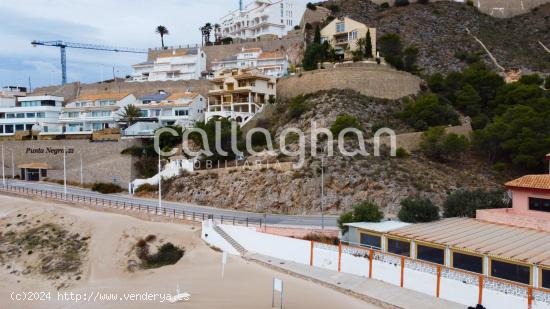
[107,241]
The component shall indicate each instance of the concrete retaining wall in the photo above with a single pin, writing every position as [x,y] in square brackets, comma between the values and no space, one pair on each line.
[371,80]
[102,161]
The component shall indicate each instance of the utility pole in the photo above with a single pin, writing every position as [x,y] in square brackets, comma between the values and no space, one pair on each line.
[3,168]
[65,171]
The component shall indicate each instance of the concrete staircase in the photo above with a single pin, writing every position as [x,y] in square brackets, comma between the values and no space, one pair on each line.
[230,240]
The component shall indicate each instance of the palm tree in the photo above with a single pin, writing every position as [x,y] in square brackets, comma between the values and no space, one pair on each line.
[206,30]
[162,30]
[130,114]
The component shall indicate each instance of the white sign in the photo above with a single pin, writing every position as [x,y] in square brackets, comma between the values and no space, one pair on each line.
[278,285]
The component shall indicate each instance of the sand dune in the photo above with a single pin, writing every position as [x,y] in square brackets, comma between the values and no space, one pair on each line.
[104,271]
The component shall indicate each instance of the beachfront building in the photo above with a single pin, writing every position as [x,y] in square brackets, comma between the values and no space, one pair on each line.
[343,35]
[511,244]
[9,95]
[32,113]
[273,63]
[260,18]
[164,109]
[95,112]
[173,64]
[239,94]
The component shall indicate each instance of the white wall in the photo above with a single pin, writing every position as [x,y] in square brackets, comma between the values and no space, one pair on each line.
[385,267]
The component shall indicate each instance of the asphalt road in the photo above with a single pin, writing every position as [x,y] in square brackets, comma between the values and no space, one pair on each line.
[271,219]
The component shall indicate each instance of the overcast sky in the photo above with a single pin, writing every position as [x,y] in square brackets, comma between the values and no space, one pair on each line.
[123,23]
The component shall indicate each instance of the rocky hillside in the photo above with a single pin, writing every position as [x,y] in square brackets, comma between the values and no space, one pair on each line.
[348,180]
[439,31]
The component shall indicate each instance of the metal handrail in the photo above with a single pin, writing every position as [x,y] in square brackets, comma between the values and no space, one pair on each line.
[132,206]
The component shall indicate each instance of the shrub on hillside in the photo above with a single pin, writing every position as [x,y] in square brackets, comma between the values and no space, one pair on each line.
[311,6]
[423,1]
[363,212]
[428,111]
[385,5]
[296,107]
[532,79]
[106,188]
[439,145]
[343,122]
[330,240]
[401,2]
[418,210]
[464,203]
[167,254]
[147,188]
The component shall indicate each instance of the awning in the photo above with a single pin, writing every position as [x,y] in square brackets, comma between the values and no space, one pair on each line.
[37,166]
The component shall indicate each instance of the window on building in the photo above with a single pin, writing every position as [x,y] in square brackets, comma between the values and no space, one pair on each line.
[182,112]
[28,127]
[371,241]
[512,272]
[97,126]
[8,128]
[31,115]
[20,115]
[1,129]
[353,35]
[430,254]
[340,27]
[19,127]
[106,102]
[468,262]
[545,280]
[41,115]
[10,116]
[399,247]
[539,204]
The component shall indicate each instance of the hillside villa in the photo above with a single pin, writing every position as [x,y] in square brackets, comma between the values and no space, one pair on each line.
[95,112]
[274,63]
[511,244]
[173,64]
[162,109]
[38,113]
[259,18]
[344,33]
[239,94]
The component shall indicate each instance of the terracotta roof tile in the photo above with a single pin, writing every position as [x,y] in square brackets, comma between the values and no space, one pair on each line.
[183,95]
[271,55]
[102,96]
[540,182]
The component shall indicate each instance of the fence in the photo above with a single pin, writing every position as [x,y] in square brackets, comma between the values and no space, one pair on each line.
[169,212]
[433,279]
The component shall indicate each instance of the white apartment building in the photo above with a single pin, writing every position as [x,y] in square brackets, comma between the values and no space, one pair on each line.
[263,17]
[164,109]
[273,63]
[174,64]
[9,95]
[90,113]
[38,113]
[239,94]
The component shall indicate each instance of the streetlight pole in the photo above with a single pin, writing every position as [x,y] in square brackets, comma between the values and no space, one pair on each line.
[65,171]
[322,193]
[12,166]
[3,168]
[81,171]
[160,185]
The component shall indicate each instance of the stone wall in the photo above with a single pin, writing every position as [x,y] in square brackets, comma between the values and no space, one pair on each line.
[496,8]
[372,80]
[102,161]
[137,89]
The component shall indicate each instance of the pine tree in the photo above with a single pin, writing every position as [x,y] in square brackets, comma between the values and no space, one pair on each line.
[368,48]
